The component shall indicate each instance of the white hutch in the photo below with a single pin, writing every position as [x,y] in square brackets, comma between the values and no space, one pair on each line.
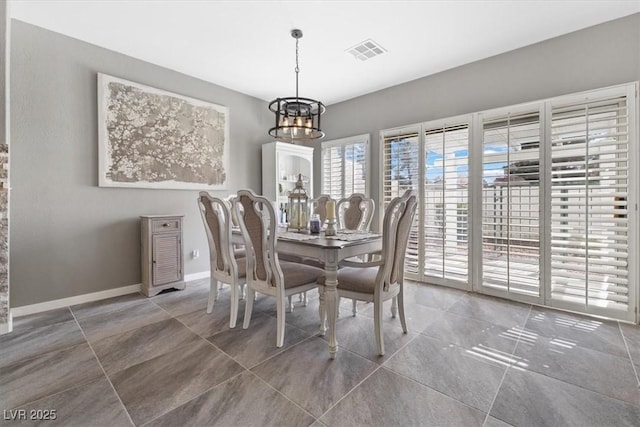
[281,164]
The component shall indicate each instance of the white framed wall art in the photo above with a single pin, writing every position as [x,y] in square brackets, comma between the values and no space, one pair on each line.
[151,138]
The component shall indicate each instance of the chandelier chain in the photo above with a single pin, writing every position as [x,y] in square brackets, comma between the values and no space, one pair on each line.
[297,67]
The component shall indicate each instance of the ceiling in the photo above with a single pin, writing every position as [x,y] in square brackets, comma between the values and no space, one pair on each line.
[246,45]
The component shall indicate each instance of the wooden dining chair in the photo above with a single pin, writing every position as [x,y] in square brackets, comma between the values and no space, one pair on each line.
[319,206]
[228,266]
[355,212]
[381,280]
[265,272]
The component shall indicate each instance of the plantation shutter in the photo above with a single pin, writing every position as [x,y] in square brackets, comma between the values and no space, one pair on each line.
[332,171]
[511,203]
[355,178]
[589,204]
[401,172]
[445,198]
[344,167]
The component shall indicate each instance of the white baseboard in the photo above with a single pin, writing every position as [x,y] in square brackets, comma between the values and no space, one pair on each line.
[80,299]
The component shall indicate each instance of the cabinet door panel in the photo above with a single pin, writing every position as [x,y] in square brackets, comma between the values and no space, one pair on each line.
[166,259]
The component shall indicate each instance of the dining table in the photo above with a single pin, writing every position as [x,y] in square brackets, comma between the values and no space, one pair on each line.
[330,250]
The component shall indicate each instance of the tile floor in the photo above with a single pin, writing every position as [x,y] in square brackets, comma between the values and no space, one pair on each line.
[468,360]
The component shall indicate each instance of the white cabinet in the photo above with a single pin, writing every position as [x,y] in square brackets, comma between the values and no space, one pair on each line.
[281,164]
[162,263]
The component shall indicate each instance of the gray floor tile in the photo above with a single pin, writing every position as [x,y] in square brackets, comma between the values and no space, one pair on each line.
[386,399]
[445,374]
[305,318]
[192,298]
[43,375]
[35,341]
[93,404]
[306,375]
[632,337]
[156,386]
[418,316]
[265,303]
[208,324]
[584,331]
[508,314]
[127,317]
[530,399]
[121,351]
[494,340]
[455,371]
[591,369]
[38,320]
[80,311]
[257,343]
[242,401]
[357,334]
[494,422]
[440,297]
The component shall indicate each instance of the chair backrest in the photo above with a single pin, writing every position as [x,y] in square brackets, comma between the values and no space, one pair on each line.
[398,218]
[231,198]
[355,212]
[257,219]
[217,219]
[319,206]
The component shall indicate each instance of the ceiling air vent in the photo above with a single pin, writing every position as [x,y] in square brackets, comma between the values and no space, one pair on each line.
[366,50]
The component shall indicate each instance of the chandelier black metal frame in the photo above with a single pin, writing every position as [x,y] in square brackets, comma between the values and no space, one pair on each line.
[297,118]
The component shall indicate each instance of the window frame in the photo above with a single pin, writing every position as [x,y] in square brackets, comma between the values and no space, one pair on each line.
[544,106]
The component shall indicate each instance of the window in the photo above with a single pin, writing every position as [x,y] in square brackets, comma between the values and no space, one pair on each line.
[536,202]
[590,182]
[511,202]
[433,160]
[345,163]
[401,172]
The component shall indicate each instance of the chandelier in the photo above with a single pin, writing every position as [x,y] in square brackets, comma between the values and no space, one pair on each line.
[297,118]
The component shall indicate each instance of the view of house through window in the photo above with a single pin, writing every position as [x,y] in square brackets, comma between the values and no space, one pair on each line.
[548,184]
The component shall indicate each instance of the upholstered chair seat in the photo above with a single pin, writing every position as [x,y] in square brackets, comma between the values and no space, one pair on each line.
[296,274]
[362,280]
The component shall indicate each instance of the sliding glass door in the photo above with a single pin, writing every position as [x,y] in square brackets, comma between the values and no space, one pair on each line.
[433,160]
[511,204]
[536,203]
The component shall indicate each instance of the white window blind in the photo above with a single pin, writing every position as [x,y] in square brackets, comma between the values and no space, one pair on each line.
[445,198]
[554,202]
[344,166]
[511,203]
[401,172]
[589,203]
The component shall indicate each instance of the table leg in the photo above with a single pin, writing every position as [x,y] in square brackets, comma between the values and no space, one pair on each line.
[331,299]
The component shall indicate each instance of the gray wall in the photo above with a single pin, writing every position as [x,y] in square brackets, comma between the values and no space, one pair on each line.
[70,237]
[599,56]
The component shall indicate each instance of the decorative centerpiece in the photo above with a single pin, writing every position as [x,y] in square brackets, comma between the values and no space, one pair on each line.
[298,205]
[331,218]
